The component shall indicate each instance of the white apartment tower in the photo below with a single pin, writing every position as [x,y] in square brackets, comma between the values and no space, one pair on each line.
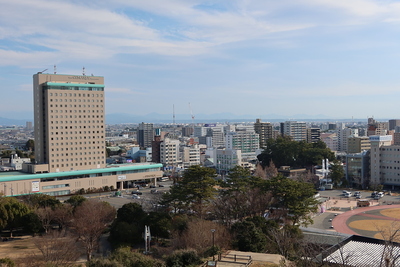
[296,130]
[69,122]
[169,152]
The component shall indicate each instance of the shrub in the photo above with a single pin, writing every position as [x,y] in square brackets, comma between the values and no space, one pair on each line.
[183,258]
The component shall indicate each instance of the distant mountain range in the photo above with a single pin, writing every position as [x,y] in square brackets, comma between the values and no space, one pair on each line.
[119,118]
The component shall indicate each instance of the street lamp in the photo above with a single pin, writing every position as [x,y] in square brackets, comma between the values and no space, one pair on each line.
[213,242]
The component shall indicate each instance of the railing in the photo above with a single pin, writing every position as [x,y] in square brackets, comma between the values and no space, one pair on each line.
[239,259]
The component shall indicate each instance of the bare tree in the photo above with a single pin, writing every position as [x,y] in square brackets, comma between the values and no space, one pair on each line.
[89,222]
[63,216]
[271,170]
[391,252]
[260,172]
[57,249]
[45,216]
[266,173]
[199,236]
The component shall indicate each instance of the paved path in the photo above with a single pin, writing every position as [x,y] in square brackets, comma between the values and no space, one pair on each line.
[340,221]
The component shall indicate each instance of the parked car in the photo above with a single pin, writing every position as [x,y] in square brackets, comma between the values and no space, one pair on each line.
[160,185]
[154,191]
[152,186]
[137,193]
[135,197]
[358,196]
[348,194]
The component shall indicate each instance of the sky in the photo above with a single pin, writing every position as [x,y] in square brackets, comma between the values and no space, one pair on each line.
[338,58]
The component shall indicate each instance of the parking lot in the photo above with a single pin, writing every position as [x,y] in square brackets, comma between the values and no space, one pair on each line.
[147,199]
[365,194]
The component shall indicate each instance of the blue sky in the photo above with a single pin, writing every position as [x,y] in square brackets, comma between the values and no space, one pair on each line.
[339,58]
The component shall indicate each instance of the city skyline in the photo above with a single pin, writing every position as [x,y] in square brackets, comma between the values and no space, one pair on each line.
[334,58]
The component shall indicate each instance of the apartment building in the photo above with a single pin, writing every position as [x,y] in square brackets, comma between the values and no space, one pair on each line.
[296,130]
[264,130]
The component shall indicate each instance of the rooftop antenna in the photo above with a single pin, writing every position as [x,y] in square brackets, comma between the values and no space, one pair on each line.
[55,69]
[42,71]
[83,71]
[173,118]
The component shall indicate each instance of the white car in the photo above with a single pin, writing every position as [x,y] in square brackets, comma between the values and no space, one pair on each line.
[135,197]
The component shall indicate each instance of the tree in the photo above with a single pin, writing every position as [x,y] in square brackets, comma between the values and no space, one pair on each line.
[240,196]
[285,241]
[45,215]
[337,173]
[30,145]
[298,154]
[41,201]
[90,220]
[183,258]
[76,200]
[57,249]
[128,226]
[194,190]
[12,213]
[160,224]
[62,215]
[198,236]
[249,237]
[294,200]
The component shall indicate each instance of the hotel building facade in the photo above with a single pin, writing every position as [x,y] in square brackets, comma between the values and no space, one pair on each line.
[69,124]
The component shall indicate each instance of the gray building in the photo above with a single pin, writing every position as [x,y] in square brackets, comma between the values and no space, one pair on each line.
[145,134]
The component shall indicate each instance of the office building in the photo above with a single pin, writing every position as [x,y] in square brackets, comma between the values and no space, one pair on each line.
[145,134]
[187,131]
[190,155]
[343,134]
[68,122]
[264,130]
[357,144]
[393,124]
[381,174]
[357,169]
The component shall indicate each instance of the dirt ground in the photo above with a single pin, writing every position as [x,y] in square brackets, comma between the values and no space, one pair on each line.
[18,248]
[22,247]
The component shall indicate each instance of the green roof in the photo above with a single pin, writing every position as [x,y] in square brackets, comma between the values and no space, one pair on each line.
[112,168]
[75,84]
